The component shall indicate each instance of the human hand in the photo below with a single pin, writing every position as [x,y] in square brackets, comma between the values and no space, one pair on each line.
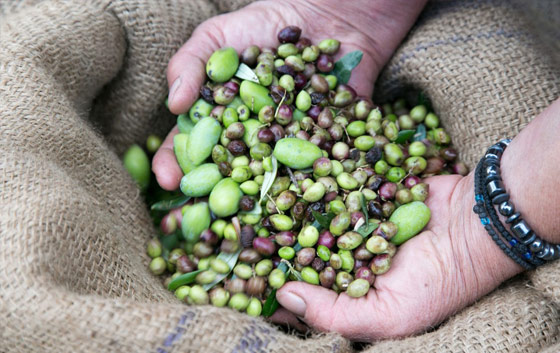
[448,266]
[374,27]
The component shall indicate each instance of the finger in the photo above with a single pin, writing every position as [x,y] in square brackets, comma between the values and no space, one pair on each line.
[324,309]
[286,318]
[186,71]
[165,166]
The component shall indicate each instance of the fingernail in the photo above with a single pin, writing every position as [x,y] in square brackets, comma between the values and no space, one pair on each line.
[294,303]
[173,89]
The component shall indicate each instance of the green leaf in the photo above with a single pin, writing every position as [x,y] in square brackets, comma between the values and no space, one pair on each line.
[324,220]
[420,133]
[425,101]
[269,178]
[298,247]
[231,260]
[168,205]
[171,241]
[364,209]
[343,67]
[270,305]
[367,229]
[244,72]
[183,279]
[404,135]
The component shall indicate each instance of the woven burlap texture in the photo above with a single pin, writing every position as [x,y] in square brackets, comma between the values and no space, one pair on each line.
[82,80]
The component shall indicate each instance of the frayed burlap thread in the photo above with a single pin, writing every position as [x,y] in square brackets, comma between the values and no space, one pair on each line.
[82,80]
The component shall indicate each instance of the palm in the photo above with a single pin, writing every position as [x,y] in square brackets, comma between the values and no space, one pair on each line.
[258,25]
[416,293]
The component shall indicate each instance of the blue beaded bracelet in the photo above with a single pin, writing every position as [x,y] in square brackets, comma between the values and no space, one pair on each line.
[525,247]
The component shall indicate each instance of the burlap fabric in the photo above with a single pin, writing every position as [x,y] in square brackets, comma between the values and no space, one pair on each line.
[82,80]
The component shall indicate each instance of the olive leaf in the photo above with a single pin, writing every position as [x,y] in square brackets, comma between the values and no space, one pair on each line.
[404,135]
[420,133]
[270,305]
[183,279]
[364,209]
[269,178]
[424,100]
[168,205]
[244,72]
[324,220]
[343,67]
[367,229]
[231,260]
[171,241]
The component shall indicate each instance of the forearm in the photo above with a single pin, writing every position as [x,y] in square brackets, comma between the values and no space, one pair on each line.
[529,168]
[530,171]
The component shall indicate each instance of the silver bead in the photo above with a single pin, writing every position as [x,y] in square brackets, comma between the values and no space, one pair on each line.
[506,208]
[521,229]
[552,254]
[544,252]
[536,245]
[495,187]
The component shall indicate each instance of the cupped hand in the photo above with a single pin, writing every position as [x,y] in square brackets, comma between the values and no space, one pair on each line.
[448,266]
[374,27]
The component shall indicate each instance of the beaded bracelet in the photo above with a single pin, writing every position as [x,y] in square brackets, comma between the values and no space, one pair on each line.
[525,247]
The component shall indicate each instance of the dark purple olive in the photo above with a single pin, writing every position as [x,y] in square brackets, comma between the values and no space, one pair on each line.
[185,265]
[237,147]
[286,70]
[317,98]
[365,273]
[289,34]
[374,155]
[325,63]
[278,132]
[208,236]
[285,238]
[387,190]
[302,43]
[265,135]
[375,209]
[375,181]
[207,94]
[314,112]
[327,277]
[318,264]
[327,239]
[300,81]
[264,246]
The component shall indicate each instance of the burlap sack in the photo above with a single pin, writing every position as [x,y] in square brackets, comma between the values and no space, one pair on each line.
[82,80]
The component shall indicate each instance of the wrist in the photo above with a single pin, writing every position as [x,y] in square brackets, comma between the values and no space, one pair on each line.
[483,265]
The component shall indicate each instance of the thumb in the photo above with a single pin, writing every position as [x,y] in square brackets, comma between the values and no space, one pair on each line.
[326,310]
[186,71]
